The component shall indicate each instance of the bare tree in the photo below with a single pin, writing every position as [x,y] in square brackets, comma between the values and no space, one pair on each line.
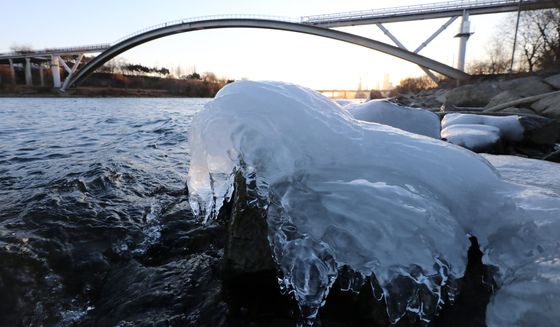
[497,58]
[21,48]
[540,39]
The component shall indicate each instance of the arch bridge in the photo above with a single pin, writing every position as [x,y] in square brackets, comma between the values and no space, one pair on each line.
[276,24]
[318,25]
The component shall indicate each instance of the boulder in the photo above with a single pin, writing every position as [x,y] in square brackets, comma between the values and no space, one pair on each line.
[548,107]
[554,156]
[473,95]
[526,86]
[553,81]
[518,111]
[519,88]
[490,93]
[540,130]
[503,97]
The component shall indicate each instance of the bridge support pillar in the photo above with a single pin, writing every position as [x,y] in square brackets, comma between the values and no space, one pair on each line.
[70,71]
[12,72]
[41,75]
[464,34]
[28,80]
[55,67]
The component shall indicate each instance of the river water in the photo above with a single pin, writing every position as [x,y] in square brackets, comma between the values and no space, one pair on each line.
[95,226]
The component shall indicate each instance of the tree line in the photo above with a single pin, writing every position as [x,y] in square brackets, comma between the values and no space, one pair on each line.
[537,47]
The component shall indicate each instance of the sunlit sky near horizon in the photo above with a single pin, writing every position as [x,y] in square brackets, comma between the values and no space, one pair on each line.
[241,53]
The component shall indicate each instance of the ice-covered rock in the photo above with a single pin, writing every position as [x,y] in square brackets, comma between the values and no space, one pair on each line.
[412,120]
[475,137]
[509,127]
[341,192]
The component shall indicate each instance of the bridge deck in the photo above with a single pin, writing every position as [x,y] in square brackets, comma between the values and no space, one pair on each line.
[56,51]
[424,11]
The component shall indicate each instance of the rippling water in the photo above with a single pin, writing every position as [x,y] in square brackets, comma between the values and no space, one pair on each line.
[94,217]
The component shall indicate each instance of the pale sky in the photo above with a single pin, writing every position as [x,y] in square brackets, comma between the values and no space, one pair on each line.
[312,61]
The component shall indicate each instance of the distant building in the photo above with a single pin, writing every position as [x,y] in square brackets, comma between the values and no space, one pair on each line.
[387,85]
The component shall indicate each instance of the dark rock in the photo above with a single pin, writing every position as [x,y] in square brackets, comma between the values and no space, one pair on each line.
[375,94]
[548,107]
[554,157]
[517,111]
[553,81]
[526,86]
[183,292]
[490,93]
[247,249]
[503,97]
[473,95]
[475,289]
[540,130]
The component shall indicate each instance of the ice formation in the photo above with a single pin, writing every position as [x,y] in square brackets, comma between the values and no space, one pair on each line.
[412,120]
[471,136]
[339,191]
[509,126]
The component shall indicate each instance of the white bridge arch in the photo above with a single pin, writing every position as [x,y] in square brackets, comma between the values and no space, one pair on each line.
[183,26]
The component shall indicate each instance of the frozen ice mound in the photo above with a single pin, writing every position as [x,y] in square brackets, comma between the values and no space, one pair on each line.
[414,120]
[339,191]
[509,127]
[471,136]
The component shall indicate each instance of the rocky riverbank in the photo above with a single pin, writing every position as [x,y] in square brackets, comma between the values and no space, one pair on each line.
[534,99]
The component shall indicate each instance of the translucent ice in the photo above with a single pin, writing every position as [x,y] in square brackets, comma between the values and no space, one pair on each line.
[471,136]
[339,191]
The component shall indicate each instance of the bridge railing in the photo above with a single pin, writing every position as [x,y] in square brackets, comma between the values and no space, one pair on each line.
[209,17]
[411,9]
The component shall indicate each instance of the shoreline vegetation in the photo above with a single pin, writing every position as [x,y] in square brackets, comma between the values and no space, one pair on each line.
[105,84]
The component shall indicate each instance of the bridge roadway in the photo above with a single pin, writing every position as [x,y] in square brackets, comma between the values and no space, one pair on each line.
[425,11]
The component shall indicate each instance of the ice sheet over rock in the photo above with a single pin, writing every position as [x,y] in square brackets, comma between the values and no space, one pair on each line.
[412,120]
[343,192]
[471,136]
[509,126]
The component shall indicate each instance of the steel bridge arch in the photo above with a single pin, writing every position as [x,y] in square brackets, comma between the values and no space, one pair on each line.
[204,24]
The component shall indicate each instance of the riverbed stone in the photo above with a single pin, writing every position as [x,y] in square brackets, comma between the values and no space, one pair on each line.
[553,81]
[503,97]
[526,86]
[472,95]
[548,107]
[540,130]
[518,111]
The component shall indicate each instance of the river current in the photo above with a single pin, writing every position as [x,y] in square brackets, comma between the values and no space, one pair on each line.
[95,226]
